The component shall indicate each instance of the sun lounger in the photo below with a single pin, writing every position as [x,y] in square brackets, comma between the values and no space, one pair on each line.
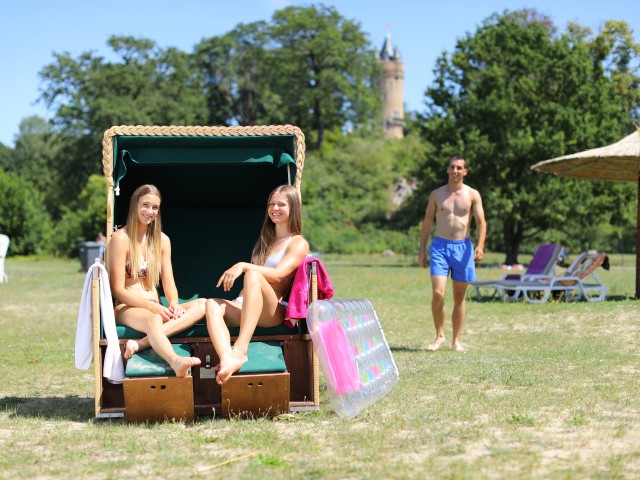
[579,281]
[544,262]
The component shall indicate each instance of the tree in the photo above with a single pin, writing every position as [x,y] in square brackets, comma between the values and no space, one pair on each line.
[146,85]
[83,219]
[348,191]
[35,156]
[22,217]
[235,67]
[309,67]
[323,69]
[6,158]
[514,93]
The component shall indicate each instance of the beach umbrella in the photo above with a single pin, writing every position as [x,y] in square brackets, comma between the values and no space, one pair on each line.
[618,162]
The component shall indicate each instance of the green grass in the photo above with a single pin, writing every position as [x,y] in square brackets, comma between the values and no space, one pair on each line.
[545,391]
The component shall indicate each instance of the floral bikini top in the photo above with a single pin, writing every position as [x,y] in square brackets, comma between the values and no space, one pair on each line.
[141,274]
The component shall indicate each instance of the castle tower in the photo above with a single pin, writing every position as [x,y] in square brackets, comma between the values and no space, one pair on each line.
[392,88]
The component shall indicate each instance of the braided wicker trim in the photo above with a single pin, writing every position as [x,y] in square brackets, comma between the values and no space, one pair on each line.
[195,131]
[199,131]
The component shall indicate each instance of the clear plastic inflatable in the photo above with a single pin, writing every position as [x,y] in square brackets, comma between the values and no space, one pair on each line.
[353,353]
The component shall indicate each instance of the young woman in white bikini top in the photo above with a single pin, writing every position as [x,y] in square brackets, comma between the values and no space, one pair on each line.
[276,258]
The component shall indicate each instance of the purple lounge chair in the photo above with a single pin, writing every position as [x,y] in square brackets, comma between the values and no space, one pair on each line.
[543,262]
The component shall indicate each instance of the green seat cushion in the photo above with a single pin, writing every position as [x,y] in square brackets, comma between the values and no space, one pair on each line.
[264,357]
[149,364]
[200,330]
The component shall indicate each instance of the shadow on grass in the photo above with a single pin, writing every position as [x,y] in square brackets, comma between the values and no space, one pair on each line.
[619,298]
[72,408]
[398,349]
[610,298]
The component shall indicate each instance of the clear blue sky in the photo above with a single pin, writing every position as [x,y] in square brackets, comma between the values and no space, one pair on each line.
[32,30]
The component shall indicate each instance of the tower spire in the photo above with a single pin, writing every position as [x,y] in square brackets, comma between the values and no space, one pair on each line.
[392,87]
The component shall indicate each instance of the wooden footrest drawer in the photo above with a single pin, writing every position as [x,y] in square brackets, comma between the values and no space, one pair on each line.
[255,395]
[152,399]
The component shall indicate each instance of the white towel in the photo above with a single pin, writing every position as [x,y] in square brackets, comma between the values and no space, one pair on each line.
[113,367]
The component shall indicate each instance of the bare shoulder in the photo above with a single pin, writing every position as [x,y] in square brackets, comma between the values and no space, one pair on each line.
[165,241]
[298,247]
[118,245]
[436,194]
[475,194]
[298,241]
[439,190]
[119,237]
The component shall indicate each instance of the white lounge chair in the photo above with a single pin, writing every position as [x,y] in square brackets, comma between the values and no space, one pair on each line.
[4,247]
[577,282]
[544,262]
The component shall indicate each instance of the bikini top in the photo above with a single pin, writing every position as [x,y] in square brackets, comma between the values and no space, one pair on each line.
[141,274]
[276,258]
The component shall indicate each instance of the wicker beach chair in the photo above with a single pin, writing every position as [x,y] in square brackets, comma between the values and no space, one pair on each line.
[214,183]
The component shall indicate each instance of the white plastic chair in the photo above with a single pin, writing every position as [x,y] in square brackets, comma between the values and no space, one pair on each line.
[4,246]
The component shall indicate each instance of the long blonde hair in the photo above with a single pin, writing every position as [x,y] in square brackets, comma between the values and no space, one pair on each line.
[153,238]
[268,232]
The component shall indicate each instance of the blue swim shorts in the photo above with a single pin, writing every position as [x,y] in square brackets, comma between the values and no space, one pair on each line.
[455,256]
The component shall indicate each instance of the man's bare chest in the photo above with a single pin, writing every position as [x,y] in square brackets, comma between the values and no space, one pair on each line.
[456,204]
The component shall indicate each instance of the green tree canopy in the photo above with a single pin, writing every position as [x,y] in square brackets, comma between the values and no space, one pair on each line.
[145,85]
[348,192]
[83,219]
[309,66]
[324,69]
[514,93]
[35,157]
[6,157]
[235,70]
[22,217]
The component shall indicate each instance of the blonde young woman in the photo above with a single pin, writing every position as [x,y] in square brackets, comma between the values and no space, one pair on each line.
[140,256]
[274,261]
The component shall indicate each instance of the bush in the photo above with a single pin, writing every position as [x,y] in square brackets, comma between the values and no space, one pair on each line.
[83,219]
[23,216]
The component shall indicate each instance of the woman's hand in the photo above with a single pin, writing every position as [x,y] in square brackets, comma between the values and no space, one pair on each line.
[161,310]
[229,277]
[176,310]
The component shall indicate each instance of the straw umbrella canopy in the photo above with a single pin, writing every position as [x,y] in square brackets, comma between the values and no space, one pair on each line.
[618,162]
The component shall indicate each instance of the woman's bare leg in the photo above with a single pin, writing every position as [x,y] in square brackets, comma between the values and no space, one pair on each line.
[220,337]
[194,312]
[260,306]
[150,323]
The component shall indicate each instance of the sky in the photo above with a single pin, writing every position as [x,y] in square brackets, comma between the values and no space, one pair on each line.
[31,31]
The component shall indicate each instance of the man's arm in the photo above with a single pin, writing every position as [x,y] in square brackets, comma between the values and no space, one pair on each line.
[427,223]
[481,226]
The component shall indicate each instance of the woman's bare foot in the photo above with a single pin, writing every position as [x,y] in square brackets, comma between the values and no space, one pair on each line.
[181,365]
[230,363]
[130,348]
[458,347]
[437,343]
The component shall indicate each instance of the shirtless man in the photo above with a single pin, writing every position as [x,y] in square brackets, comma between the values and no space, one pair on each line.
[452,206]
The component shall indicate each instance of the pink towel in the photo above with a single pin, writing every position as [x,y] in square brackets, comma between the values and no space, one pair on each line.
[299,295]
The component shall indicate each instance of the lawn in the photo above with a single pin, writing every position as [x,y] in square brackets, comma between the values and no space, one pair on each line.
[544,391]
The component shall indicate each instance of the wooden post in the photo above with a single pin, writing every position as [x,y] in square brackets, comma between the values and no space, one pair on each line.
[638,245]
